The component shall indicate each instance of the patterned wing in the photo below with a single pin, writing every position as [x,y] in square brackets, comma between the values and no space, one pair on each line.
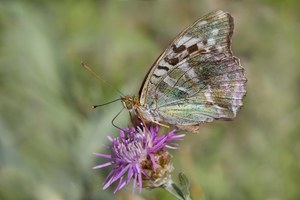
[196,79]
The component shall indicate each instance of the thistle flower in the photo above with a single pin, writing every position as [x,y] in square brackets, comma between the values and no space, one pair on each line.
[139,153]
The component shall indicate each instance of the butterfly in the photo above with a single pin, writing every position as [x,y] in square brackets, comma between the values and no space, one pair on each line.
[195,80]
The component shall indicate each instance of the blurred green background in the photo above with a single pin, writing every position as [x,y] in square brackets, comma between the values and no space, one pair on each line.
[48,131]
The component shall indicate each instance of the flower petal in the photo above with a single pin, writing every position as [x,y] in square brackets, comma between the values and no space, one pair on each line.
[121,173]
[119,185]
[140,182]
[103,155]
[129,175]
[103,165]
[134,183]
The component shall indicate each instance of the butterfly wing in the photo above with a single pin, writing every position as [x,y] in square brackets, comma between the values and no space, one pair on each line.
[196,79]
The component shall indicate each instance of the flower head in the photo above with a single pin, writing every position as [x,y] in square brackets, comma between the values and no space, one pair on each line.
[139,153]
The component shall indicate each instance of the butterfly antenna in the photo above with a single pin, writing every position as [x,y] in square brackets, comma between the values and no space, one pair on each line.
[95,106]
[99,77]
[112,121]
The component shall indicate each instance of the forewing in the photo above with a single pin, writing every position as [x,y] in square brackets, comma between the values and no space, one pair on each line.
[197,79]
[210,33]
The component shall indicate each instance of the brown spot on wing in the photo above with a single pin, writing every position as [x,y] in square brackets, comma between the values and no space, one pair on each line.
[172,61]
[179,49]
[192,48]
[162,68]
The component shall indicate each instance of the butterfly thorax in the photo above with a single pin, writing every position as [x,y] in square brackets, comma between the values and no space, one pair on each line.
[130,102]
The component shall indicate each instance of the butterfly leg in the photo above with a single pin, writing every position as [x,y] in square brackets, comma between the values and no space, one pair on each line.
[112,122]
[164,125]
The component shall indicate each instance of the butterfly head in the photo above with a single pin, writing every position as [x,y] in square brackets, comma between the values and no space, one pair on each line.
[130,102]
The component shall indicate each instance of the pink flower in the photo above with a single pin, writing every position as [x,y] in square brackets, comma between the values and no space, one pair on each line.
[139,153]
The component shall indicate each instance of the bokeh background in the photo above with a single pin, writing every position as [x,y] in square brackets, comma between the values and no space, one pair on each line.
[48,131]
